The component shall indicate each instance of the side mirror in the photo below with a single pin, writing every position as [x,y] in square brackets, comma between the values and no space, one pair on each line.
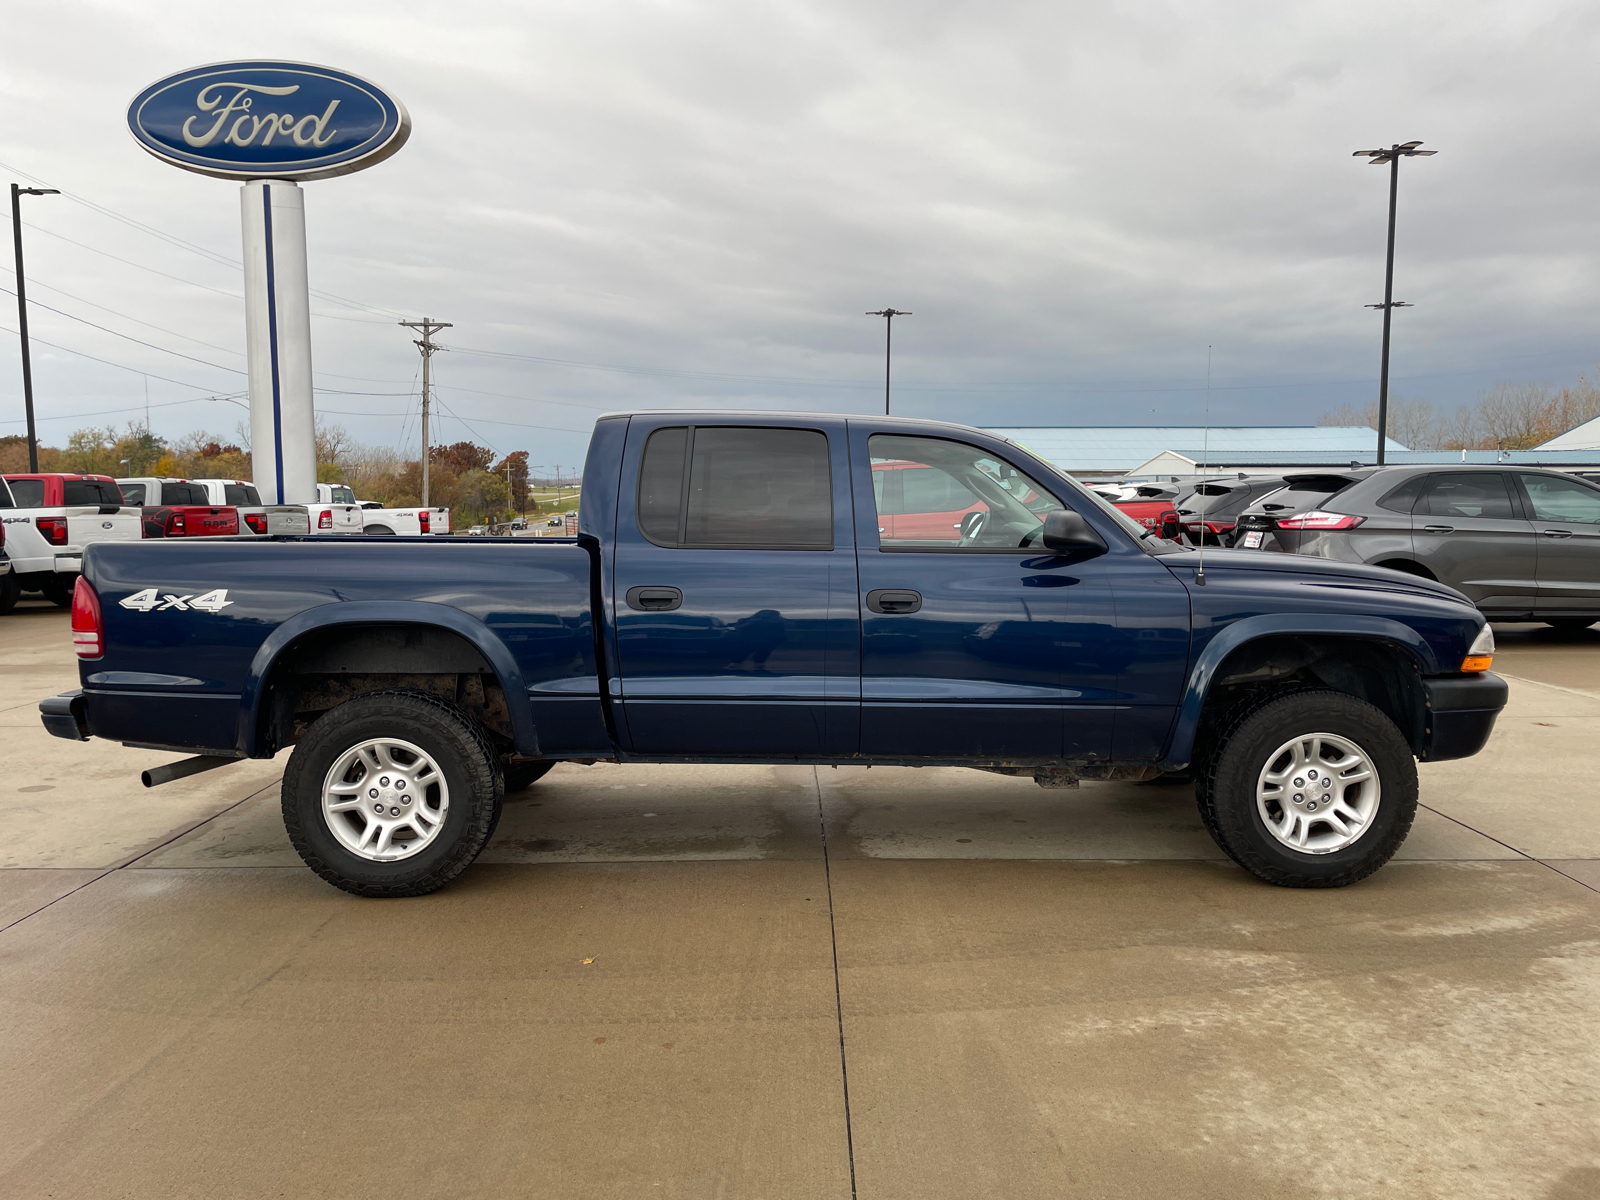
[1066,532]
[1171,526]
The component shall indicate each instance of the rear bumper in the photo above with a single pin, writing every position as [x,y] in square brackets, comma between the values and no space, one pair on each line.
[1461,714]
[64,717]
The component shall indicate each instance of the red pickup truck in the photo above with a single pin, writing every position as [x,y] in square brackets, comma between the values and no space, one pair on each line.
[179,509]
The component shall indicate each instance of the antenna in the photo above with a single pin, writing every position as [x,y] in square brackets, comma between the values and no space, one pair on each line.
[1205,455]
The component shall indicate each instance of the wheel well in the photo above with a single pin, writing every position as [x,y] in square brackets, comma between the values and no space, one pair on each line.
[325,667]
[1408,567]
[1380,673]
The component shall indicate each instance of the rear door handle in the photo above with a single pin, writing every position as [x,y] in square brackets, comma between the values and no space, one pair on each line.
[1438,529]
[894,600]
[654,599]
[1558,533]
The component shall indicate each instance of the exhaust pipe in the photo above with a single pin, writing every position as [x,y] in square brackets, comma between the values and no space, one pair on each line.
[183,768]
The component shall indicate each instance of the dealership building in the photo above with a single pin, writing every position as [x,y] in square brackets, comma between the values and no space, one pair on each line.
[1175,452]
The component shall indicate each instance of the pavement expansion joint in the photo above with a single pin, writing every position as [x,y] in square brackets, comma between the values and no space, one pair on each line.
[838,997]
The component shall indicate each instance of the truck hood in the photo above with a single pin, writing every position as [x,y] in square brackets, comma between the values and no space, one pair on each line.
[1236,563]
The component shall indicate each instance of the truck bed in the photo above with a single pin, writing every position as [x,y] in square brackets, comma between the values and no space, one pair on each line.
[226,610]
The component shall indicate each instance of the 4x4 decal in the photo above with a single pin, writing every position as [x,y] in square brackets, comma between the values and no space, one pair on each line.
[151,599]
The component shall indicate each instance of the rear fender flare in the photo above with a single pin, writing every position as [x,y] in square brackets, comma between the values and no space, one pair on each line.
[1204,670]
[388,612]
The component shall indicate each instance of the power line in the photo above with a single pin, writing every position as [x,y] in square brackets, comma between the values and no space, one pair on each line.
[125,336]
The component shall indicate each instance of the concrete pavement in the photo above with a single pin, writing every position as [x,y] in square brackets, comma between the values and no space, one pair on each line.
[897,982]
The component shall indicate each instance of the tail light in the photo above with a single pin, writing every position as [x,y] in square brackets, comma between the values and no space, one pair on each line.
[88,630]
[257,523]
[1320,520]
[422,521]
[325,521]
[54,529]
[1210,526]
[175,525]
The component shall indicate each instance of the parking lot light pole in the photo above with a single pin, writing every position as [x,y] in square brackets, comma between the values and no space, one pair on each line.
[17,193]
[888,315]
[1392,157]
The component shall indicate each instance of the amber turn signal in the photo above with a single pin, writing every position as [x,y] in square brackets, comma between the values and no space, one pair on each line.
[1476,662]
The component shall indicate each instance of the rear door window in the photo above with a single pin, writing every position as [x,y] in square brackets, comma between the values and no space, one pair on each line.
[90,491]
[183,493]
[5,495]
[1481,495]
[1563,500]
[727,487]
[28,493]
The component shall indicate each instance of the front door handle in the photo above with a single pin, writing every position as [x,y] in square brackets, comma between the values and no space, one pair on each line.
[1558,533]
[1438,529]
[654,599]
[894,600]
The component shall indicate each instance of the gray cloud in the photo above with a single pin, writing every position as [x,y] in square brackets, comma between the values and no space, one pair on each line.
[1075,200]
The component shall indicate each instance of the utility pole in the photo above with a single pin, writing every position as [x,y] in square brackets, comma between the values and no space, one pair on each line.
[17,192]
[429,327]
[888,315]
[1392,157]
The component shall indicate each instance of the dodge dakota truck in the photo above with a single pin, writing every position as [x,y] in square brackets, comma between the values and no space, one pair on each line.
[735,595]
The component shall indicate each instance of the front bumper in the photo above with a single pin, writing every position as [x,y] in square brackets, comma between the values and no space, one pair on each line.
[1461,714]
[64,716]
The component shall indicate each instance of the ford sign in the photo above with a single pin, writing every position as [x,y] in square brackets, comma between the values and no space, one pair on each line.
[268,120]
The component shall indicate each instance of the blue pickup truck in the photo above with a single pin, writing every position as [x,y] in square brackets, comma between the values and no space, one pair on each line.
[785,588]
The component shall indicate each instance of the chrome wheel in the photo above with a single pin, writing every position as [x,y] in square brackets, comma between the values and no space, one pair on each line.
[1318,793]
[385,799]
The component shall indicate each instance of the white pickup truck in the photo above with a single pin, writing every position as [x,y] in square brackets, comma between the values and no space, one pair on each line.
[335,511]
[379,520]
[49,518]
[263,520]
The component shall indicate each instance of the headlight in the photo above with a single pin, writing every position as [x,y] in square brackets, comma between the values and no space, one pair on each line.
[1484,642]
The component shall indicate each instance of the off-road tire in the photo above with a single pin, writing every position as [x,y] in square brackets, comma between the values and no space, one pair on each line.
[456,742]
[520,775]
[1226,793]
[10,591]
[58,593]
[1569,624]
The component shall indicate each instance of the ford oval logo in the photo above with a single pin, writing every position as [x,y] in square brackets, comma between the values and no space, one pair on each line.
[268,120]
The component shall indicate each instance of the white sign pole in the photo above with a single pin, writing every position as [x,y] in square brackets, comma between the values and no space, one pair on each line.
[277,319]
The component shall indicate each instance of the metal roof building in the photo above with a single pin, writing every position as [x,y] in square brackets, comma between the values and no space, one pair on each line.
[1579,437]
[1109,451]
[1122,452]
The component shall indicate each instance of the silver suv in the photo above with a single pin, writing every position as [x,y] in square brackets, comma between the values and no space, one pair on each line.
[1521,544]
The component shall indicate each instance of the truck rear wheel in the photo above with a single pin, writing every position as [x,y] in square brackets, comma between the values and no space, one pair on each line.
[58,589]
[10,591]
[392,794]
[1315,789]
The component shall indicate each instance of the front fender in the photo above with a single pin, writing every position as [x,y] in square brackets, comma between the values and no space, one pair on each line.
[1181,748]
[388,612]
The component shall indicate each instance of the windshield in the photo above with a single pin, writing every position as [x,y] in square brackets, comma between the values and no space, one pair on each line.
[1302,495]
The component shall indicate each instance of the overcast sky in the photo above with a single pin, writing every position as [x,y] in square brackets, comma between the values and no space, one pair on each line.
[698,202]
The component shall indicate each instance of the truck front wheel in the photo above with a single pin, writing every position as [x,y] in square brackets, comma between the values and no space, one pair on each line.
[1315,789]
[391,794]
